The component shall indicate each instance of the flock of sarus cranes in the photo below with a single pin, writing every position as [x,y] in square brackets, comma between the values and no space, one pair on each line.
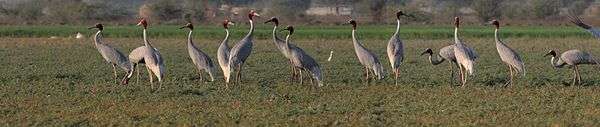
[232,60]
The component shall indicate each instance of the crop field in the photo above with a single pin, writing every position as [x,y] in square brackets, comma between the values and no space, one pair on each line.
[65,82]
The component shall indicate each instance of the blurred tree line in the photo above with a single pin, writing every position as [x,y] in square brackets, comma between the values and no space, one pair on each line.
[296,11]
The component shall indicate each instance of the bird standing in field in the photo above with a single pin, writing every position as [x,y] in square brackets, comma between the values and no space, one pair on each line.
[509,56]
[223,52]
[240,51]
[395,49]
[301,60]
[281,44]
[365,57]
[572,58]
[199,58]
[148,55]
[464,57]
[446,53]
[110,54]
[577,21]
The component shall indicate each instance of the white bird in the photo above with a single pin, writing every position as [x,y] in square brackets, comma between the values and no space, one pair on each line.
[223,52]
[199,58]
[509,56]
[240,51]
[110,54]
[148,55]
[464,57]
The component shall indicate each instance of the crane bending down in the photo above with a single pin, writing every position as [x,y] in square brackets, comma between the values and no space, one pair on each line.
[301,60]
[199,58]
[281,44]
[110,54]
[464,57]
[223,52]
[572,58]
[446,53]
[577,21]
[240,51]
[149,56]
[509,56]
[365,57]
[395,49]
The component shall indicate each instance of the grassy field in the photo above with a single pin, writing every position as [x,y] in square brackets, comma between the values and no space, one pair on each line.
[65,82]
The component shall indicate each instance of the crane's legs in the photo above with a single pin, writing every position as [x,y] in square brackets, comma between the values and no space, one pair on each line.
[451,74]
[509,81]
[397,73]
[239,74]
[137,79]
[115,73]
[301,78]
[577,76]
[462,76]
[366,75]
[151,78]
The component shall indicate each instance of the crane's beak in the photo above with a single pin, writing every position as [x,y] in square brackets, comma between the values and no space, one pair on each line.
[424,52]
[548,54]
[231,23]
[182,27]
[92,27]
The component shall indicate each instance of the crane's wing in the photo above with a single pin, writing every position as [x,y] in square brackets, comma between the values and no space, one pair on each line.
[577,21]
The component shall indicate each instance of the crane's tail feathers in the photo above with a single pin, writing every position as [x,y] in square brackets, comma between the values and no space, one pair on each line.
[378,69]
[469,66]
[227,73]
[316,72]
[595,62]
[211,73]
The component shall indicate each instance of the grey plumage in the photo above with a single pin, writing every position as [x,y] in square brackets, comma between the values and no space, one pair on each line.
[572,58]
[148,55]
[281,45]
[199,58]
[302,61]
[464,57]
[395,49]
[240,51]
[508,56]
[110,54]
[223,52]
[577,21]
[368,59]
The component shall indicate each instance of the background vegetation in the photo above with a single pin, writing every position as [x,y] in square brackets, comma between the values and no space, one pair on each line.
[528,12]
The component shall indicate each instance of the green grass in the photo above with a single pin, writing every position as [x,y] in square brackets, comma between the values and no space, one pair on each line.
[64,82]
[308,32]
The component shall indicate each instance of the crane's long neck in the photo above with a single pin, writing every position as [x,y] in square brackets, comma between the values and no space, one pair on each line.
[287,43]
[354,40]
[98,38]
[456,39]
[190,43]
[497,36]
[275,37]
[556,64]
[146,38]
[435,61]
[251,28]
[225,40]
[397,27]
